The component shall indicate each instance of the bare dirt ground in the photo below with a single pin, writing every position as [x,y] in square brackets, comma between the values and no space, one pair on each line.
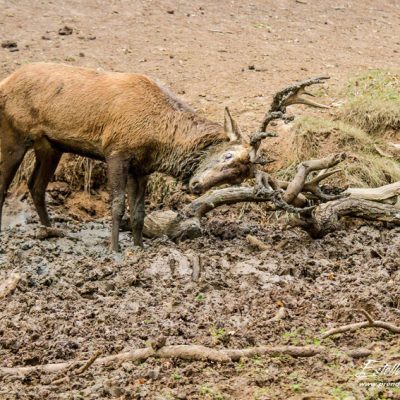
[75,298]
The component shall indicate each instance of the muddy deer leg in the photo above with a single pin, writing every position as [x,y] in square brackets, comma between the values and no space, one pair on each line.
[46,163]
[12,154]
[136,192]
[117,169]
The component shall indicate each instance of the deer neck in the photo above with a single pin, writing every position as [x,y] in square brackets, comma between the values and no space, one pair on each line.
[193,138]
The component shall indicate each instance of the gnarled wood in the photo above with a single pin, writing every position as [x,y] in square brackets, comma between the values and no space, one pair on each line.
[325,218]
[298,183]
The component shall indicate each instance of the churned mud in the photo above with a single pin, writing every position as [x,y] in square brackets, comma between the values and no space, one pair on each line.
[75,298]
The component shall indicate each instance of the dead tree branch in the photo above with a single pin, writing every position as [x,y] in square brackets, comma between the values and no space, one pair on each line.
[370,323]
[186,352]
[317,220]
[298,184]
[382,193]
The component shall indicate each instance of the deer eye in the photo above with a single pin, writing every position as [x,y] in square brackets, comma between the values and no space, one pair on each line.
[228,156]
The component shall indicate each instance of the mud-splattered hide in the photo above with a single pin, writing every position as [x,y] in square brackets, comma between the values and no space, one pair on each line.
[227,162]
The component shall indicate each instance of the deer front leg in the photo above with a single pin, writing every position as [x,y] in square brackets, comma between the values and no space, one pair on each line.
[136,194]
[117,170]
[46,163]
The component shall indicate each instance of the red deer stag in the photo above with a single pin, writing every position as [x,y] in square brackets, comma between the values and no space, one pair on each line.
[127,120]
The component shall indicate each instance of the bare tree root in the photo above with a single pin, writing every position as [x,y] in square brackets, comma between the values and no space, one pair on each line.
[185,352]
[370,323]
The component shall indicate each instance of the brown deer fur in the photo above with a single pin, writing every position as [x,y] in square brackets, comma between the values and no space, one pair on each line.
[127,120]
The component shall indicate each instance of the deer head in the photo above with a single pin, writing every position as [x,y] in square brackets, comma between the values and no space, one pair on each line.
[233,161]
[227,162]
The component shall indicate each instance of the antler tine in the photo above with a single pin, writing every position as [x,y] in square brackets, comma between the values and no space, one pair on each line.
[282,99]
[291,95]
[255,142]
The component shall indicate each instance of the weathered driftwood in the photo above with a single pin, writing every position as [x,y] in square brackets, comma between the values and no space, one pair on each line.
[298,184]
[376,194]
[319,221]
[186,225]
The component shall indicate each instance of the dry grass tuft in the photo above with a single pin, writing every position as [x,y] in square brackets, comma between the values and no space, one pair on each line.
[313,137]
[363,128]
[373,101]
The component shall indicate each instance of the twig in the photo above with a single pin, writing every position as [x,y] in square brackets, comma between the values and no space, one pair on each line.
[370,323]
[89,362]
[70,370]
[196,267]
[366,315]
[257,243]
[9,284]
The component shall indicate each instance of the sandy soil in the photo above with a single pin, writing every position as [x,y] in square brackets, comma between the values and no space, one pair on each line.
[75,298]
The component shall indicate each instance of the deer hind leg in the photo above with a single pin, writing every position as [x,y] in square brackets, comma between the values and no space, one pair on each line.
[47,159]
[117,170]
[12,154]
[136,193]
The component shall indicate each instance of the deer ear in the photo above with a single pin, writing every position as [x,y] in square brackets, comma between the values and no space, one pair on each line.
[231,127]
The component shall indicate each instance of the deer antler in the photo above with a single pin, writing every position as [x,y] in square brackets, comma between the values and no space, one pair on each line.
[284,98]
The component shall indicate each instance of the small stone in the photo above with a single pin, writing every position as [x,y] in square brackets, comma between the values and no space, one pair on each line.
[171,12]
[154,373]
[66,31]
[46,37]
[81,54]
[252,67]
[9,44]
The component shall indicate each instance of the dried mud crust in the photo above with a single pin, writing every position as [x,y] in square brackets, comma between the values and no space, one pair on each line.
[75,298]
